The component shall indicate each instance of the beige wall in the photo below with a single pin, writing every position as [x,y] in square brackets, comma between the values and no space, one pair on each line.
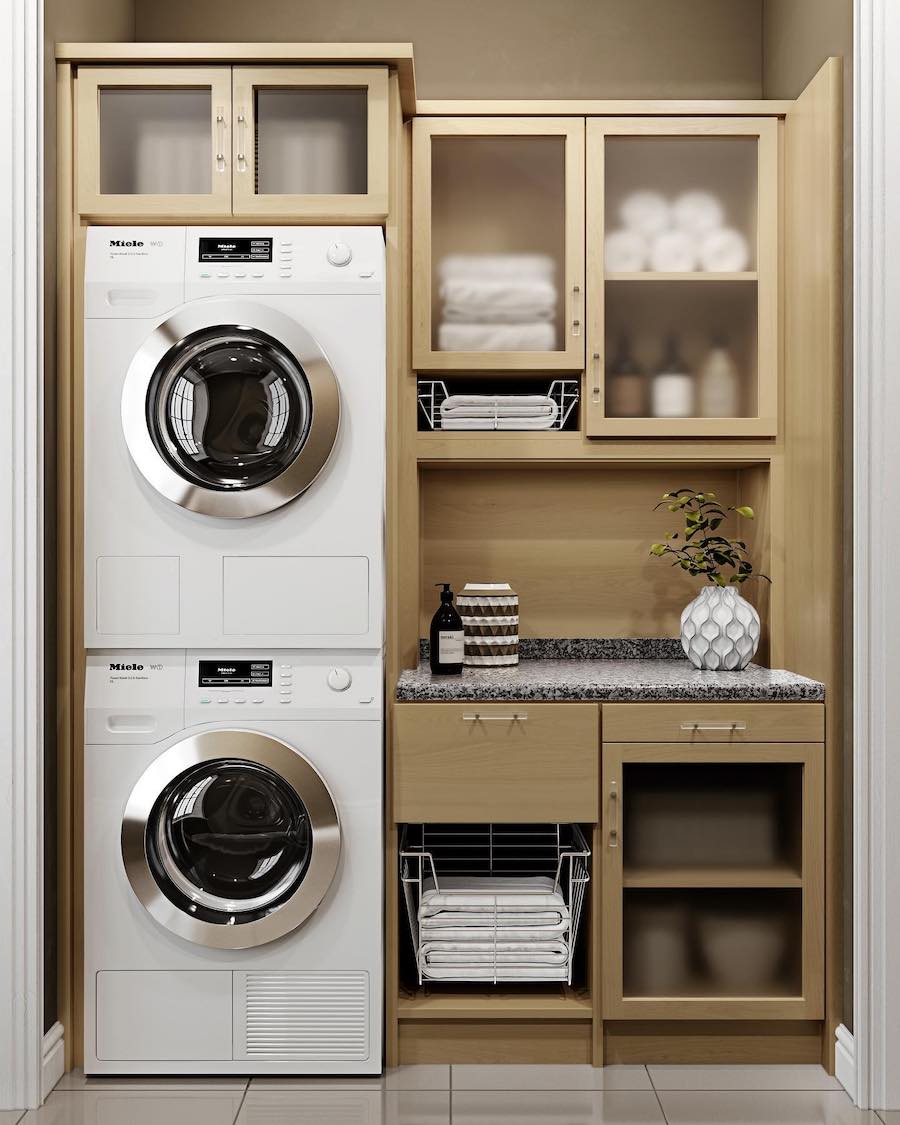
[510,48]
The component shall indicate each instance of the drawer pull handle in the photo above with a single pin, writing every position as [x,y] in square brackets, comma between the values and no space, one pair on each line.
[614,835]
[714,726]
[476,718]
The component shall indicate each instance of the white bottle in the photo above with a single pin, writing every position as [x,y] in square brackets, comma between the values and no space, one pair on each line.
[719,383]
[673,386]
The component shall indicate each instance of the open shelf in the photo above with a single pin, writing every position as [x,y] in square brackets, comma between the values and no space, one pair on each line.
[495,1002]
[693,275]
[724,876]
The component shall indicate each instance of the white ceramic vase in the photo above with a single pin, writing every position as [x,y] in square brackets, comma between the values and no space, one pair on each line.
[719,630]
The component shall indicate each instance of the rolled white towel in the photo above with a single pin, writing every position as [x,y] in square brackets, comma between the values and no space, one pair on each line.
[674,251]
[498,301]
[724,251]
[625,251]
[538,337]
[498,267]
[646,212]
[698,212]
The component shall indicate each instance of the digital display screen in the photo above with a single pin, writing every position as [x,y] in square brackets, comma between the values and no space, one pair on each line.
[235,673]
[235,249]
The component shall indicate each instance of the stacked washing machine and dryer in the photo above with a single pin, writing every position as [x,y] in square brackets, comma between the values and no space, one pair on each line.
[233,572]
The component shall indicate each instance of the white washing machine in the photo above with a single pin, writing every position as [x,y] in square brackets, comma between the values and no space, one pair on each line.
[233,862]
[234,385]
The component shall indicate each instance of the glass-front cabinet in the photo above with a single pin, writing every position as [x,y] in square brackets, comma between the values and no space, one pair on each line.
[292,143]
[153,141]
[498,244]
[682,277]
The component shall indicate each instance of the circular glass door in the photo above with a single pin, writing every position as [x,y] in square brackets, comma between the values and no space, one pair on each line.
[231,839]
[230,409]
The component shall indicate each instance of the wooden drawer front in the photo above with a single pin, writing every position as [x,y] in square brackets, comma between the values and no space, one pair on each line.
[504,762]
[713,722]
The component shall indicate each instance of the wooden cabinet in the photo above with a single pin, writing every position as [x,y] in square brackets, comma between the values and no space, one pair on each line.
[153,142]
[682,277]
[712,860]
[483,762]
[498,244]
[289,143]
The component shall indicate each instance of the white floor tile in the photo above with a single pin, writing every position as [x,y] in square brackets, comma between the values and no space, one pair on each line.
[762,1107]
[890,1116]
[799,1077]
[138,1107]
[417,1107]
[11,1116]
[289,1082]
[545,1107]
[417,1078]
[549,1077]
[311,1107]
[76,1080]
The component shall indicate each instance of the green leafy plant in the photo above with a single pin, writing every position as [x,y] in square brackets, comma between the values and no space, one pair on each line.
[699,549]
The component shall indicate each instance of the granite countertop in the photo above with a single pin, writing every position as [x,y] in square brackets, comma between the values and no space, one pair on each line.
[606,670]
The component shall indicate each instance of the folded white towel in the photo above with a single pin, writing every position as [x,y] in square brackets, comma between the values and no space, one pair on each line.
[460,402]
[500,973]
[500,411]
[524,949]
[646,212]
[430,955]
[698,212]
[482,914]
[497,266]
[530,889]
[625,251]
[427,932]
[498,301]
[724,251]
[498,423]
[538,337]
[674,252]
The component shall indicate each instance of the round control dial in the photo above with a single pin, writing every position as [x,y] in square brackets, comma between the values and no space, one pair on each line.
[339,679]
[339,254]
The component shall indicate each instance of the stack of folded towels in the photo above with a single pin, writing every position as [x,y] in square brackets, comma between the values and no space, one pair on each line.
[498,412]
[493,928]
[689,233]
[497,303]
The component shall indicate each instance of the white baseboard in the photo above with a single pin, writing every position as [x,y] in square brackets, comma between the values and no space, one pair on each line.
[845,1060]
[53,1059]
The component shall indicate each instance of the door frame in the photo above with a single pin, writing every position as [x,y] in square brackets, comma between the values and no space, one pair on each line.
[21,562]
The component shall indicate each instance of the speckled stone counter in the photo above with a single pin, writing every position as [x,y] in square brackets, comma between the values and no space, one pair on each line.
[572,672]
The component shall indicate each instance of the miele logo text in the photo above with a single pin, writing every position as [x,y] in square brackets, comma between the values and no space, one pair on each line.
[122,242]
[126,667]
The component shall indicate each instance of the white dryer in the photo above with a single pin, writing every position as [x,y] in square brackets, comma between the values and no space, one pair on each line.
[234,384]
[233,863]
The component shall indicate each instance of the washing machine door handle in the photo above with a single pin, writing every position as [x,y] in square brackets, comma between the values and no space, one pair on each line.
[231,839]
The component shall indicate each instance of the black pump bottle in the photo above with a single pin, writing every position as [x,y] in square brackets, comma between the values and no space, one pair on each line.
[446,647]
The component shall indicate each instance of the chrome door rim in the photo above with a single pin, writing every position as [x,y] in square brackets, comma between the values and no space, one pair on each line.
[306,466]
[293,768]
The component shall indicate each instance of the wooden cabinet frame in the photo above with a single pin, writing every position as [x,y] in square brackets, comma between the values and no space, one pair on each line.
[765,277]
[809,884]
[95,204]
[571,356]
[369,207]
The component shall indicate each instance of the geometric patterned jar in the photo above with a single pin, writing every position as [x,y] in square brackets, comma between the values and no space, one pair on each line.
[719,630]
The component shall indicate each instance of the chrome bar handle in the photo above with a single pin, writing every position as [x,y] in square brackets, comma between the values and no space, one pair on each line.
[595,363]
[614,834]
[241,159]
[220,139]
[576,310]
[479,718]
[730,727]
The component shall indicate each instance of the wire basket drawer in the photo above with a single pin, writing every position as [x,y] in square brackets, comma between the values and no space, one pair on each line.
[494,902]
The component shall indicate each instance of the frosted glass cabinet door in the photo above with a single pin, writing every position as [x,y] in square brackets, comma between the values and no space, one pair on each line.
[498,244]
[154,141]
[682,245]
[311,143]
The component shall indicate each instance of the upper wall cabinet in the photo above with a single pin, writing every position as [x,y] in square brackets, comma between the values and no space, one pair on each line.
[153,141]
[300,143]
[682,244]
[498,244]
[311,143]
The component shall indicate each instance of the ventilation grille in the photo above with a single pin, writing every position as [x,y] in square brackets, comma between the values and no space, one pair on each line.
[310,1017]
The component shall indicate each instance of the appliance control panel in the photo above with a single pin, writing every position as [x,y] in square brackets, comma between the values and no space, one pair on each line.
[348,258]
[221,684]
